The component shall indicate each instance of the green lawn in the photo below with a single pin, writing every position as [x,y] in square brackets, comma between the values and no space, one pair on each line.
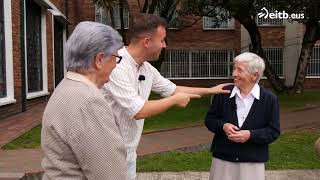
[293,150]
[308,98]
[29,140]
[192,115]
[175,117]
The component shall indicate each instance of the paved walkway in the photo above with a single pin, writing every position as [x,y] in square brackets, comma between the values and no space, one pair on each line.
[30,160]
[270,175]
[15,126]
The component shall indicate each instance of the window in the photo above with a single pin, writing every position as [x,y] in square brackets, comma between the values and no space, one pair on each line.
[219,21]
[103,16]
[314,66]
[3,87]
[36,65]
[269,22]
[59,40]
[196,64]
[174,22]
[275,57]
[6,69]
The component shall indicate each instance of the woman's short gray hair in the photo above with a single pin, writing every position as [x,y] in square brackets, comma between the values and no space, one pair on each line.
[255,63]
[86,41]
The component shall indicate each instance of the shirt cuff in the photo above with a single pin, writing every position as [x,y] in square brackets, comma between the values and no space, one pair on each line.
[136,107]
[170,90]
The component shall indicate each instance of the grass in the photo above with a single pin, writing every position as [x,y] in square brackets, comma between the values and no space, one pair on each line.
[29,140]
[308,98]
[293,150]
[175,117]
[193,114]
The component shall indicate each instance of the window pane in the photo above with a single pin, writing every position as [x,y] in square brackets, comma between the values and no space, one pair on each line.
[275,57]
[189,64]
[176,64]
[174,21]
[58,52]
[103,16]
[219,63]
[314,65]
[200,63]
[34,54]
[219,20]
[3,91]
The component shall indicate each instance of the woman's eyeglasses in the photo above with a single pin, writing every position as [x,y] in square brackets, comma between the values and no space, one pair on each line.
[118,58]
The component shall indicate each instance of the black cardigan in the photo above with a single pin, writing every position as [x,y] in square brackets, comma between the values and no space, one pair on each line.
[262,122]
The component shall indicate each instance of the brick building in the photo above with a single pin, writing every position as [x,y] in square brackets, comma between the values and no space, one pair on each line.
[200,55]
[33,33]
[32,38]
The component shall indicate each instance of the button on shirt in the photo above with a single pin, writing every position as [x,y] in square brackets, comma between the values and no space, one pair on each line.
[244,103]
[127,95]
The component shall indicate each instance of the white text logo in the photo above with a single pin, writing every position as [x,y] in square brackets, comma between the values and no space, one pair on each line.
[279,14]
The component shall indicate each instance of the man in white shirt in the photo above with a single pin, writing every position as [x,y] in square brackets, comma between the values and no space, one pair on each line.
[134,78]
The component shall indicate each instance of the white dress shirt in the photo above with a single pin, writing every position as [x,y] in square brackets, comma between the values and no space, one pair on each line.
[244,103]
[127,95]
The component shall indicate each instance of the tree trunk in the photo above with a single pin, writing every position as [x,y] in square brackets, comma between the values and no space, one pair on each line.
[311,35]
[255,36]
[145,6]
[152,6]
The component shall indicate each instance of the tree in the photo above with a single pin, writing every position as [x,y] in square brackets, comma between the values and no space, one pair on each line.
[245,12]
[311,10]
[108,5]
[165,9]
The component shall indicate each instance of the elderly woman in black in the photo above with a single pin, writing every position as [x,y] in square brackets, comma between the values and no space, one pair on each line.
[244,122]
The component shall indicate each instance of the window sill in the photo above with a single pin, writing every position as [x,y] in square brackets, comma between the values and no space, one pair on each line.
[37,94]
[7,100]
[312,77]
[218,29]
[270,26]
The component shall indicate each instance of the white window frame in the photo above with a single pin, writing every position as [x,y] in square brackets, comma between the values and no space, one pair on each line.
[44,92]
[268,25]
[9,55]
[64,39]
[174,16]
[57,13]
[116,8]
[188,52]
[316,76]
[283,63]
[230,23]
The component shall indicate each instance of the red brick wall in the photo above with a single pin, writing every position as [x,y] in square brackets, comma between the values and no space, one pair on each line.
[60,4]
[80,10]
[273,36]
[50,62]
[14,108]
[196,38]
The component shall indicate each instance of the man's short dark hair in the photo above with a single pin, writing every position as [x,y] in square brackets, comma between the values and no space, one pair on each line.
[145,23]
